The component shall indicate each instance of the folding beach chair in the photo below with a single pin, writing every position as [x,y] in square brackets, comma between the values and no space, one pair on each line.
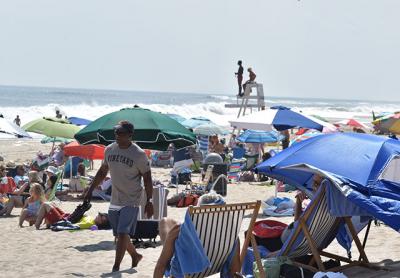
[52,195]
[251,161]
[148,228]
[235,168]
[218,228]
[314,231]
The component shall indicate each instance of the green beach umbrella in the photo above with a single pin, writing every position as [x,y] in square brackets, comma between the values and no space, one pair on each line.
[153,130]
[48,139]
[52,127]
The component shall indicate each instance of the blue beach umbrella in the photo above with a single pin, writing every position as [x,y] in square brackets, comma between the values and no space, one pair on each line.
[78,121]
[364,165]
[280,118]
[195,122]
[259,136]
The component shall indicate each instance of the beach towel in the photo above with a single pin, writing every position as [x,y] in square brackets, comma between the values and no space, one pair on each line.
[189,257]
[203,144]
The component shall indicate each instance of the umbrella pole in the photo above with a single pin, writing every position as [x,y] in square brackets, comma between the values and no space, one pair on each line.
[52,147]
[70,167]
[365,237]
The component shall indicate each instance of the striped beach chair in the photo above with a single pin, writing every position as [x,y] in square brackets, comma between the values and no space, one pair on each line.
[314,231]
[218,228]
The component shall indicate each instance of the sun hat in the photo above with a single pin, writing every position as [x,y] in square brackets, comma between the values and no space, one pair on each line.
[52,169]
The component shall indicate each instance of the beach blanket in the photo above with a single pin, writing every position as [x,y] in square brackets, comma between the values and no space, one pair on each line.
[189,256]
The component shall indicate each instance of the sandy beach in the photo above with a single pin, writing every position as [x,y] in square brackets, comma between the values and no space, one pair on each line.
[43,253]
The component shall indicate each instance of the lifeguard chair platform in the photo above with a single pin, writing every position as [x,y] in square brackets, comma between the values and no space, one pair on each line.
[253,97]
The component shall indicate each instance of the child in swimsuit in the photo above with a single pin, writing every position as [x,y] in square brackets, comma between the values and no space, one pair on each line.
[32,205]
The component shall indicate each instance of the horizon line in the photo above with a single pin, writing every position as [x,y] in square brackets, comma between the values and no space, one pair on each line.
[36,87]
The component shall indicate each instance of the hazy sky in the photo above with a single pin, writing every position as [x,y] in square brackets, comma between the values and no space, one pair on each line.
[307,48]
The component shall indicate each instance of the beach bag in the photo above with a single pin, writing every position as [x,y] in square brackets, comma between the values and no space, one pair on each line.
[292,271]
[271,266]
[247,176]
[184,178]
[188,200]
[146,229]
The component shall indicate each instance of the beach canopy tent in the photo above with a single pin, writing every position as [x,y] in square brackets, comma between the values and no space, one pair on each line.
[280,118]
[353,123]
[78,121]
[153,130]
[12,129]
[259,136]
[195,122]
[364,168]
[176,117]
[209,129]
[91,151]
[52,127]
[388,123]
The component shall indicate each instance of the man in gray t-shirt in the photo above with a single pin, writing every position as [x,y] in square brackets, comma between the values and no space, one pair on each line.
[127,164]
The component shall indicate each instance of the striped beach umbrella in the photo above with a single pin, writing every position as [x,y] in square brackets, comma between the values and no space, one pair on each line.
[388,123]
[259,136]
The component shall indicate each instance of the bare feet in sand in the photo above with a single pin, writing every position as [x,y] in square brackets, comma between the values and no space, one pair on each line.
[136,260]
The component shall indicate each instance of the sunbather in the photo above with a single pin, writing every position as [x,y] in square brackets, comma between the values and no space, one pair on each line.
[169,231]
[32,205]
[18,197]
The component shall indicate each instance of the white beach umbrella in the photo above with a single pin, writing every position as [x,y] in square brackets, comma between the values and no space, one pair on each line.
[210,129]
[12,129]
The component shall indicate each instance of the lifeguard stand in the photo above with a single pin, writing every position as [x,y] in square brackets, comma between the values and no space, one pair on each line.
[253,91]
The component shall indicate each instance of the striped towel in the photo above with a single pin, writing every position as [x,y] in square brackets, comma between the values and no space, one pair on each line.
[203,142]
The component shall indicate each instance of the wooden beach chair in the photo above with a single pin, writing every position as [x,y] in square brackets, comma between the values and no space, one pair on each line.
[314,231]
[218,228]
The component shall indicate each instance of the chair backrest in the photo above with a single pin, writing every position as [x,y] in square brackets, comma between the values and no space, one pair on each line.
[218,228]
[322,226]
[238,152]
[208,175]
[52,195]
[251,161]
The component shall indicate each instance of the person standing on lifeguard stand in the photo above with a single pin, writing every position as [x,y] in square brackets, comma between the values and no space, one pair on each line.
[239,76]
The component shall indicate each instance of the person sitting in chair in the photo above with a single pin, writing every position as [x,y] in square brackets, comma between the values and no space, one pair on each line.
[298,210]
[252,78]
[169,231]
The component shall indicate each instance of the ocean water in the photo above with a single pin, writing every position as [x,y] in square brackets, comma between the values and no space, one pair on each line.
[33,102]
